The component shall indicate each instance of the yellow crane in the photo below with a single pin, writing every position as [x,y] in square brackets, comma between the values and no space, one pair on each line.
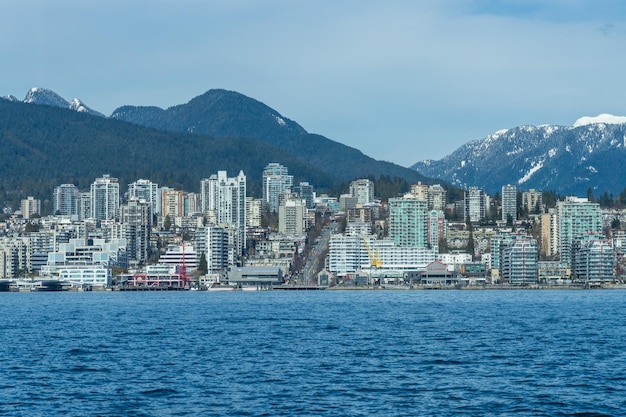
[375,260]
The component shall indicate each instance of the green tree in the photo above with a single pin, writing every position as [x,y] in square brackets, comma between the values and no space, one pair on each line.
[167,223]
[202,265]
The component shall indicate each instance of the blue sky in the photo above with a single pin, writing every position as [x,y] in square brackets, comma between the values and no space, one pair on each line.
[400,80]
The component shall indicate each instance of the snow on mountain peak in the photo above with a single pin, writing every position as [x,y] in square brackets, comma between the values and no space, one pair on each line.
[601,118]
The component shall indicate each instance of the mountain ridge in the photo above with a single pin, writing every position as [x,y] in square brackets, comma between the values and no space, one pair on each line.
[569,159]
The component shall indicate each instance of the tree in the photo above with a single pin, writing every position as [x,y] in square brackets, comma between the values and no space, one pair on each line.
[202,265]
[167,223]
[615,224]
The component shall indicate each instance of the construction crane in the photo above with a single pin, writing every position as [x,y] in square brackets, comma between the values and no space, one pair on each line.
[375,260]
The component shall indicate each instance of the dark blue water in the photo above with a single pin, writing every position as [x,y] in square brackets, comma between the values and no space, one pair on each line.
[336,353]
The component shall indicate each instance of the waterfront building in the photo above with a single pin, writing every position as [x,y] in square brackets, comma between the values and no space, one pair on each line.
[85,276]
[14,257]
[348,254]
[65,200]
[105,198]
[86,261]
[576,217]
[276,181]
[358,229]
[363,190]
[30,207]
[177,256]
[212,241]
[291,216]
[518,260]
[593,260]
[509,203]
[408,221]
[148,191]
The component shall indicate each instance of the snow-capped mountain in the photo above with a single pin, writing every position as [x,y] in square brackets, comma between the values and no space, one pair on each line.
[47,97]
[567,159]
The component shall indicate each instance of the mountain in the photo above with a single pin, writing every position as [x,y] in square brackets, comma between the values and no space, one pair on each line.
[228,114]
[567,159]
[47,97]
[45,146]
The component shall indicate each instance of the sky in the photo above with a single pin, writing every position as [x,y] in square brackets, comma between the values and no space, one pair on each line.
[400,80]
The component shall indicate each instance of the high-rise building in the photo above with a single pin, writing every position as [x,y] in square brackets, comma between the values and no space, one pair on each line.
[532,201]
[408,221]
[225,199]
[291,216]
[476,204]
[518,260]
[212,241]
[65,200]
[136,225]
[362,190]
[253,212]
[509,202]
[30,206]
[549,233]
[172,203]
[305,191]
[437,197]
[420,190]
[276,181]
[146,190]
[577,217]
[593,260]
[84,205]
[105,198]
[437,227]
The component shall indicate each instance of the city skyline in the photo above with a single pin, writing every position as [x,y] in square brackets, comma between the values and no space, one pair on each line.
[425,77]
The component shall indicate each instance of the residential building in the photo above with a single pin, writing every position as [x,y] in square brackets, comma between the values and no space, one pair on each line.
[437,197]
[476,205]
[212,241]
[408,221]
[532,201]
[136,219]
[291,216]
[363,190]
[30,207]
[509,203]
[148,191]
[105,198]
[276,181]
[65,200]
[576,217]
[305,191]
[253,212]
[437,228]
[593,260]
[224,199]
[518,260]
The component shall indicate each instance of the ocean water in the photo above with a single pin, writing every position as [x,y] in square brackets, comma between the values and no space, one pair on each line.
[334,353]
